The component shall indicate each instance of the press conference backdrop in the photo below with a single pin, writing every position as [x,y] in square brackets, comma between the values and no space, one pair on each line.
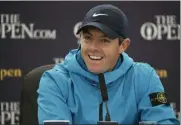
[33,34]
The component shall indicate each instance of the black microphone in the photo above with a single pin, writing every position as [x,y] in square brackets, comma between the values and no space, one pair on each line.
[104,94]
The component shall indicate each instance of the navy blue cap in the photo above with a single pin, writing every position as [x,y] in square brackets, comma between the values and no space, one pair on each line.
[107,18]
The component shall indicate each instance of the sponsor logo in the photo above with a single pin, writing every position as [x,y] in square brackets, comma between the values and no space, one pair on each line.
[165,27]
[161,97]
[162,73]
[99,14]
[10,112]
[12,28]
[10,73]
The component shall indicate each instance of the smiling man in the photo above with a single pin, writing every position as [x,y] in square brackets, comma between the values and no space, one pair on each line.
[71,90]
[100,52]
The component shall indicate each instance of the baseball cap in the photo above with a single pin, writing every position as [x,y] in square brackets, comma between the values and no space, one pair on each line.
[107,18]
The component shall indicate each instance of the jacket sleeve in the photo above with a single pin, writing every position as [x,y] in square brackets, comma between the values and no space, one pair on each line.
[161,113]
[52,98]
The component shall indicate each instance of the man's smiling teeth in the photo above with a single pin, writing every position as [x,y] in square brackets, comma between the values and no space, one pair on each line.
[95,57]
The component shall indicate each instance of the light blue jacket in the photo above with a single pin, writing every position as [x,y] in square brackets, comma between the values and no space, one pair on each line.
[70,92]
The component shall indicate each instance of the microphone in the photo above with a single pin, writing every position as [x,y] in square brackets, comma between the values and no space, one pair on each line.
[104,94]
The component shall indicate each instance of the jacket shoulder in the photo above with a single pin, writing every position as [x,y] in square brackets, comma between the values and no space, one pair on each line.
[142,72]
[58,72]
[143,67]
[56,79]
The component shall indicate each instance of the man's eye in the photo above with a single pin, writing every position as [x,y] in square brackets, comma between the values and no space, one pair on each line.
[105,41]
[87,37]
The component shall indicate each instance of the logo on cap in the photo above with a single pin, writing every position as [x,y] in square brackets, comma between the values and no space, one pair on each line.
[99,14]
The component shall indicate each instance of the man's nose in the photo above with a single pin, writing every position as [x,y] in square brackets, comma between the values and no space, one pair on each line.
[94,45]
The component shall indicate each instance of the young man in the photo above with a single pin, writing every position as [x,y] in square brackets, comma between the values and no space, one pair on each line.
[71,90]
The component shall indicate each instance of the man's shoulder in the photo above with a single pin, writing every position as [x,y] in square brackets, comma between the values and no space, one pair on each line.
[142,71]
[57,72]
[141,67]
[55,79]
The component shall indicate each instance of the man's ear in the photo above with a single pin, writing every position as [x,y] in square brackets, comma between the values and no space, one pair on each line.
[124,45]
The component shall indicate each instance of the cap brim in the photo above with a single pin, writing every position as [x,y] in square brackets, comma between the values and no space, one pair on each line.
[102,27]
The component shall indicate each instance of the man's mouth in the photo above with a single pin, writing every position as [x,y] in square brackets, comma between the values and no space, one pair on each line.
[95,57]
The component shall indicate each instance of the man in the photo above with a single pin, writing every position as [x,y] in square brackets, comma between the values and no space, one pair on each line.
[71,90]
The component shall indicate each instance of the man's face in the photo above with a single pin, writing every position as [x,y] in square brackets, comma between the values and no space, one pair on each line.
[98,51]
